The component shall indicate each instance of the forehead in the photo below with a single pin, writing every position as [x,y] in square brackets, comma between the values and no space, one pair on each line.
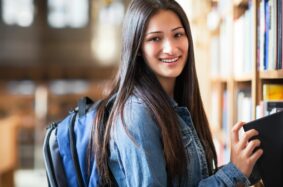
[163,20]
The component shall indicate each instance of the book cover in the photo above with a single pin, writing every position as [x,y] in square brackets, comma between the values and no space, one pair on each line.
[270,165]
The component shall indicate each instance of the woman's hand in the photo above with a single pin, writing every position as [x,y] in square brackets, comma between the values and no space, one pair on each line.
[242,150]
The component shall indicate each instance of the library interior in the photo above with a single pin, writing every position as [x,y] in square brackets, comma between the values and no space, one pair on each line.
[53,52]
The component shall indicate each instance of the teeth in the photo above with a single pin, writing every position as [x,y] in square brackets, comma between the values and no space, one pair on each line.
[169,60]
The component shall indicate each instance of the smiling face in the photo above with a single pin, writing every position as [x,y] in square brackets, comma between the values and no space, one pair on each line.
[165,46]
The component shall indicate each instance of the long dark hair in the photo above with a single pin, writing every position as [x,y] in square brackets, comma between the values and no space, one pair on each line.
[135,77]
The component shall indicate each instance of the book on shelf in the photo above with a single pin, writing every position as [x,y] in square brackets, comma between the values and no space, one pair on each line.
[269,49]
[272,100]
[261,36]
[266,108]
[214,56]
[272,35]
[281,41]
[244,105]
[243,42]
[279,34]
[272,92]
[266,34]
[225,41]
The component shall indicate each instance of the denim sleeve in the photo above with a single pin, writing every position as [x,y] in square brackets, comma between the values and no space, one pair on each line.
[140,150]
[227,176]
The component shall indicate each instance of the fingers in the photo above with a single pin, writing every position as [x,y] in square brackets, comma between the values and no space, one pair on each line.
[244,152]
[235,131]
[247,136]
[256,156]
[251,146]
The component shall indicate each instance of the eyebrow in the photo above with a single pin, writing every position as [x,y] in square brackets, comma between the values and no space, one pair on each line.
[157,32]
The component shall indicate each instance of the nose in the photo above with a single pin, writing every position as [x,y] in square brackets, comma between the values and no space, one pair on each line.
[168,47]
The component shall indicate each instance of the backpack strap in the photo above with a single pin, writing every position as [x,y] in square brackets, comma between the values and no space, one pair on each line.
[74,152]
[84,105]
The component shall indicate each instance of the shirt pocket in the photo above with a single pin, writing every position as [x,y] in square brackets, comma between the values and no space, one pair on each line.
[186,137]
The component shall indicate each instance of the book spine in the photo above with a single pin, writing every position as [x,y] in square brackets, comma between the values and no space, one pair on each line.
[266,34]
[261,36]
[272,92]
[279,35]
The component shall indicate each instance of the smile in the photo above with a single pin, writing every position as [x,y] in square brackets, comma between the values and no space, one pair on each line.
[169,60]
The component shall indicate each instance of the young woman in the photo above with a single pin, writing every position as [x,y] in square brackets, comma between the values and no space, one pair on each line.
[157,133]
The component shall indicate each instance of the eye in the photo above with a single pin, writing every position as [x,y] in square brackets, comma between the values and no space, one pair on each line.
[179,34]
[154,39]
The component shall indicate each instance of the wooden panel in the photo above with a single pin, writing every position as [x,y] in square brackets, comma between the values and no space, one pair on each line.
[8,143]
[273,74]
[8,150]
[45,73]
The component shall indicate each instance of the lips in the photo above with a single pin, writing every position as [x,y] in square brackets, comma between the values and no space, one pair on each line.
[169,60]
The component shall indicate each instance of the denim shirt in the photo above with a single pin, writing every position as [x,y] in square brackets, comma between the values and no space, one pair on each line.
[137,158]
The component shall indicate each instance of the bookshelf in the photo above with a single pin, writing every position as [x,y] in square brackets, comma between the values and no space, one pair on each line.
[247,45]
[272,74]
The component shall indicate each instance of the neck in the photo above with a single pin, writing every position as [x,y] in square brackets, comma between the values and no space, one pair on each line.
[168,85]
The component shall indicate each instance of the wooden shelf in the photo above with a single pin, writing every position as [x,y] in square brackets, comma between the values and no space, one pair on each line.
[243,78]
[54,72]
[271,74]
[222,79]
[240,2]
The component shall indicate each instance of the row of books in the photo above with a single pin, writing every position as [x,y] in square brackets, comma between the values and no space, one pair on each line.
[221,49]
[243,42]
[269,48]
[222,142]
[235,43]
[232,49]
[244,105]
[272,100]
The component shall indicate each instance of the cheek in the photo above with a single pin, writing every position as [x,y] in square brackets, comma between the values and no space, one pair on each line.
[149,50]
[186,45]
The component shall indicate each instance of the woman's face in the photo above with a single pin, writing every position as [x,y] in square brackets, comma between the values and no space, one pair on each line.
[165,45]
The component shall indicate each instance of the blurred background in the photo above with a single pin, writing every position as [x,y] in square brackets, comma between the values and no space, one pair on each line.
[52,52]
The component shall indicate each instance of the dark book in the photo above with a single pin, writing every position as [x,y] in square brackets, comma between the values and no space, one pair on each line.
[279,34]
[267,11]
[270,165]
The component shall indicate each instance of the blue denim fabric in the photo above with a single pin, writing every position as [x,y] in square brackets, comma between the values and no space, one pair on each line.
[137,159]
